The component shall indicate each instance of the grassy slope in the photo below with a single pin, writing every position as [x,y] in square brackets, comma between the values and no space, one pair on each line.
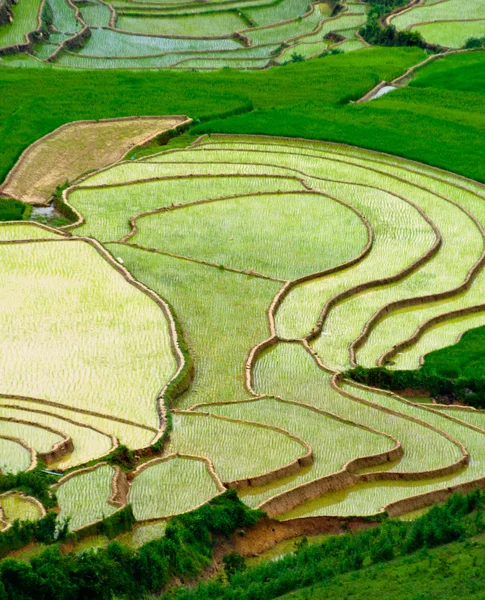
[450,572]
[434,120]
[34,102]
[465,359]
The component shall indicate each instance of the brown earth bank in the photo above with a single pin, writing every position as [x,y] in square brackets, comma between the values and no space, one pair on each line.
[268,532]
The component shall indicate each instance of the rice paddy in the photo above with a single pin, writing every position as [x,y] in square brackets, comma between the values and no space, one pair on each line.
[15,506]
[200,36]
[83,498]
[170,487]
[282,262]
[448,23]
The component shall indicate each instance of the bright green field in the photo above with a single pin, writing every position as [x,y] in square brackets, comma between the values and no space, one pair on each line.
[84,498]
[170,487]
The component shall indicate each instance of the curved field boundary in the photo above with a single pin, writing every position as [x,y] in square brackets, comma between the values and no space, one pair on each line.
[356,289]
[92,413]
[181,121]
[227,36]
[117,497]
[38,505]
[358,342]
[417,300]
[75,40]
[288,499]
[210,468]
[418,501]
[421,330]
[81,220]
[335,381]
[28,36]
[112,438]
[33,454]
[181,376]
[347,478]
[269,476]
[403,9]
[269,141]
[58,450]
[13,224]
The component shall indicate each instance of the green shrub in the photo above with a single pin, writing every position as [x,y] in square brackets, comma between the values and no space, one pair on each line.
[13,210]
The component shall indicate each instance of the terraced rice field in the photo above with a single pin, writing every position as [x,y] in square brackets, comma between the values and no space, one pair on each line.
[200,35]
[448,23]
[83,497]
[170,487]
[275,265]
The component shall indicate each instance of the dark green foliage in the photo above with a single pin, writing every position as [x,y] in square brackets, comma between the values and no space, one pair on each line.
[117,571]
[326,562]
[33,483]
[375,34]
[119,522]
[233,563]
[295,57]
[122,457]
[456,372]
[474,43]
[13,210]
[45,531]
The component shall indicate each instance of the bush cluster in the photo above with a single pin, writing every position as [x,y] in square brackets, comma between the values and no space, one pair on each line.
[470,391]
[317,563]
[377,35]
[33,483]
[118,571]
[13,210]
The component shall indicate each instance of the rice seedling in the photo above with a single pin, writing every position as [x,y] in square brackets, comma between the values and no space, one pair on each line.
[25,19]
[142,533]
[436,275]
[171,487]
[109,43]
[287,9]
[95,14]
[450,10]
[119,203]
[34,435]
[223,63]
[16,506]
[133,436]
[110,345]
[84,498]
[63,16]
[288,371]
[233,447]
[453,34]
[222,315]
[334,443]
[285,31]
[212,25]
[25,231]
[260,233]
[88,443]
[13,457]
[74,150]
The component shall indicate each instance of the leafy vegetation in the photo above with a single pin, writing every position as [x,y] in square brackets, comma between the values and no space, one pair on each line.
[454,373]
[13,210]
[183,552]
[325,563]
